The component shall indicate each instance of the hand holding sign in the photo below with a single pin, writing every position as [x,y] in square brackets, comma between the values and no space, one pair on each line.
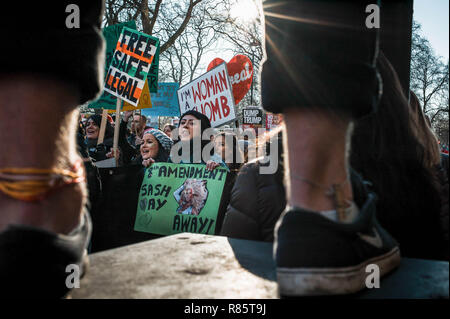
[148,162]
[127,115]
[111,154]
[211,165]
[138,141]
[240,71]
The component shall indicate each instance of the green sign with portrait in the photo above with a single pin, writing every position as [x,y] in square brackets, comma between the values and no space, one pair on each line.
[176,198]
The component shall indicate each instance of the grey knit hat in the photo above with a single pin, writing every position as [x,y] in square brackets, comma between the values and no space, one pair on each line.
[162,138]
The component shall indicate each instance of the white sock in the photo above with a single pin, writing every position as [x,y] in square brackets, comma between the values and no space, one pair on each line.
[350,214]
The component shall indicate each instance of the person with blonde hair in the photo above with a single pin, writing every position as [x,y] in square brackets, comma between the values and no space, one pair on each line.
[423,131]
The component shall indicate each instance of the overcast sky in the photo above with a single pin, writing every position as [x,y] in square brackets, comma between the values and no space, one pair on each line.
[433,16]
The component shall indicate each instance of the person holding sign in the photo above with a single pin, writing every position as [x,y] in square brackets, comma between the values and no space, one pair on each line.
[193,139]
[155,147]
[190,145]
[98,152]
[113,216]
[102,151]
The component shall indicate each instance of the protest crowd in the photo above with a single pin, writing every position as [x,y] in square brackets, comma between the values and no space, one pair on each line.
[343,157]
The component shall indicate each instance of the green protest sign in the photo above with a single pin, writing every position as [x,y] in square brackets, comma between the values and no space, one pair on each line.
[130,65]
[111,35]
[176,198]
[153,74]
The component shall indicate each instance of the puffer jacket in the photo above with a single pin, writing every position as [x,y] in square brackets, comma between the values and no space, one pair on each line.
[442,178]
[257,201]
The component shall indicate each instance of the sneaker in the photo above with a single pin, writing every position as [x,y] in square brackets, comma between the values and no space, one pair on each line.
[317,256]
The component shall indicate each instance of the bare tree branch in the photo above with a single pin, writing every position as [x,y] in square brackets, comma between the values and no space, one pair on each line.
[155,16]
[187,17]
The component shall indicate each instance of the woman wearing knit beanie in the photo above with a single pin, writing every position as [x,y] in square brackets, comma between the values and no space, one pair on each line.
[155,147]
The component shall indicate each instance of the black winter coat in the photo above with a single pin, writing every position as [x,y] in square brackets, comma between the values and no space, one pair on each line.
[442,179]
[257,201]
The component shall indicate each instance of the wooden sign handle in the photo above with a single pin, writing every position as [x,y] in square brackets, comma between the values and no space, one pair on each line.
[116,130]
[101,134]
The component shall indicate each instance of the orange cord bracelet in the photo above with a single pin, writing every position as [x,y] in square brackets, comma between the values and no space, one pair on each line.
[34,184]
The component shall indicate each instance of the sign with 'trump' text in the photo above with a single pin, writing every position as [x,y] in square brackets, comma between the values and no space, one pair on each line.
[210,94]
[130,65]
[253,116]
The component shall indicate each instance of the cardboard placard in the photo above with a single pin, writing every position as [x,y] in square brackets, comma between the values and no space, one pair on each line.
[252,116]
[130,65]
[110,162]
[165,102]
[152,76]
[240,70]
[177,198]
[272,121]
[145,100]
[210,94]
[111,35]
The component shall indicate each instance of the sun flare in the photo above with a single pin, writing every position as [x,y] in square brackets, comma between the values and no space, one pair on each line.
[244,10]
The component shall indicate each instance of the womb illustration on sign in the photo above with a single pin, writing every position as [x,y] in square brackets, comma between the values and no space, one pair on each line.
[130,65]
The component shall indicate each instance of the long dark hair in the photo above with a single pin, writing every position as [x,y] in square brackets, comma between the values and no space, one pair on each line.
[163,155]
[386,151]
[109,130]
[205,124]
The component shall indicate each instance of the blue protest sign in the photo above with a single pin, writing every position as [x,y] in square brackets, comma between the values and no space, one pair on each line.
[165,102]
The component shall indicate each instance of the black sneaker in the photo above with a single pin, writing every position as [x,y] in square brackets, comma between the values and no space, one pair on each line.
[317,256]
[36,261]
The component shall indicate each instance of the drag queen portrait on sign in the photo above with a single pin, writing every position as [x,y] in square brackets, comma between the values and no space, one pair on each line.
[191,196]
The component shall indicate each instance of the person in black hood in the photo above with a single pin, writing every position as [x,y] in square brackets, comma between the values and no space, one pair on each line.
[98,152]
[188,131]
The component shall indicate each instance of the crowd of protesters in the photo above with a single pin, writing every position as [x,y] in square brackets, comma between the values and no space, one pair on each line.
[360,172]
[408,170]
[140,146]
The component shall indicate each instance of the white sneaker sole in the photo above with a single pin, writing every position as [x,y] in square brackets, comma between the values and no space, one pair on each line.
[332,281]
